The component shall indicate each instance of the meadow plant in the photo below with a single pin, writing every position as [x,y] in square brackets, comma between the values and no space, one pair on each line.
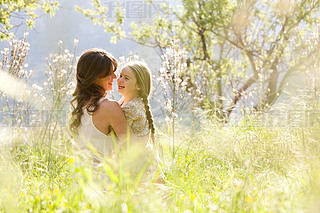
[13,58]
[60,77]
[174,80]
[56,91]
[48,113]
[14,64]
[130,57]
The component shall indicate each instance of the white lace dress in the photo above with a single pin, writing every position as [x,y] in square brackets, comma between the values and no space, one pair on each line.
[135,114]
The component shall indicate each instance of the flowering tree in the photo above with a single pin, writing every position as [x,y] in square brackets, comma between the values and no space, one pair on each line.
[243,52]
[15,13]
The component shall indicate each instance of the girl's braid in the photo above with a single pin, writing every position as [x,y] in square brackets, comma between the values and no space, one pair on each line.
[149,116]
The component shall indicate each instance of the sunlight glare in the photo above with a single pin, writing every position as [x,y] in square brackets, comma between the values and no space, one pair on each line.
[13,87]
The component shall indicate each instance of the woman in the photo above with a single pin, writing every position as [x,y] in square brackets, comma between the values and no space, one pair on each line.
[95,118]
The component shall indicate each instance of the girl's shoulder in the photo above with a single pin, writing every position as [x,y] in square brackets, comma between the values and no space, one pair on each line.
[135,102]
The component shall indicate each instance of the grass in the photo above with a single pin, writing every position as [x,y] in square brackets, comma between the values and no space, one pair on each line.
[216,169]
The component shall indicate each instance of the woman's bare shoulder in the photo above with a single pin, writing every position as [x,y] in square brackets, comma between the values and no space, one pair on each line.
[110,112]
[110,107]
[107,103]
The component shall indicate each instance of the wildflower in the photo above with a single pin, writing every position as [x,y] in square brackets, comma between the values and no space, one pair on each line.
[183,197]
[64,71]
[192,197]
[109,187]
[124,207]
[56,191]
[75,41]
[70,160]
[169,105]
[167,119]
[213,207]
[47,193]
[249,199]
[122,58]
[36,87]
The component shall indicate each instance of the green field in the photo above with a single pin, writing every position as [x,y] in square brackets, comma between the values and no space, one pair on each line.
[215,169]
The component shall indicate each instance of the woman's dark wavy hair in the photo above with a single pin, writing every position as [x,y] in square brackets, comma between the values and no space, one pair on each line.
[92,64]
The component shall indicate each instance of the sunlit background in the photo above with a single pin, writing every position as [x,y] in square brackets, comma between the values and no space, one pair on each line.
[235,101]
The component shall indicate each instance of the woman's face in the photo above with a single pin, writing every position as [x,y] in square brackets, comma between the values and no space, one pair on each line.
[106,82]
[127,83]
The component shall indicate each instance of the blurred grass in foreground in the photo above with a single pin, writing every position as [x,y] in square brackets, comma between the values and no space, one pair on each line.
[230,169]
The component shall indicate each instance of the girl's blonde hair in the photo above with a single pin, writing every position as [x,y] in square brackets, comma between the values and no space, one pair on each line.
[144,80]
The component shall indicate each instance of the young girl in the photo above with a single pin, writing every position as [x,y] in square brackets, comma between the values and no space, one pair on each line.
[134,84]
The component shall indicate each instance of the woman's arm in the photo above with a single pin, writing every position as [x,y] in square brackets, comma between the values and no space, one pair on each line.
[111,114]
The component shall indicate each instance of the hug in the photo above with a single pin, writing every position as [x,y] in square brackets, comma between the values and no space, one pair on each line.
[101,123]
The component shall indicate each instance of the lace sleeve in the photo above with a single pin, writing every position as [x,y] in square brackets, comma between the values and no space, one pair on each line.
[136,117]
[130,111]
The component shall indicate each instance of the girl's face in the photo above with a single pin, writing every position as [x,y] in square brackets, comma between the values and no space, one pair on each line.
[127,83]
[106,82]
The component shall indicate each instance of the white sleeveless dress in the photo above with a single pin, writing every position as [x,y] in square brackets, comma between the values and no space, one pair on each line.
[89,135]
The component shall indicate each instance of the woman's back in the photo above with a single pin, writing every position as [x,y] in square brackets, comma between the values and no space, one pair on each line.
[89,134]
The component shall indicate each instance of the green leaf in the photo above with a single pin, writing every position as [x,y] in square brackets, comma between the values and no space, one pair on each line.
[113,40]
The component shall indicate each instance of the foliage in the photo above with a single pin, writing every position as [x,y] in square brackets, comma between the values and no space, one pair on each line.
[242,52]
[231,169]
[15,13]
